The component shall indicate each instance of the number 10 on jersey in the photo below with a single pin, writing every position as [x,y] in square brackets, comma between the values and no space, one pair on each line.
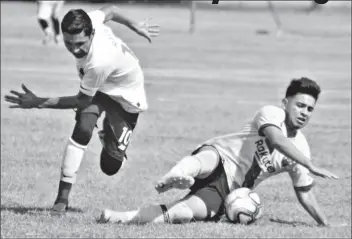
[124,138]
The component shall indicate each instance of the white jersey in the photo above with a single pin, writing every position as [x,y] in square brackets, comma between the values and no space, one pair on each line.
[112,68]
[248,158]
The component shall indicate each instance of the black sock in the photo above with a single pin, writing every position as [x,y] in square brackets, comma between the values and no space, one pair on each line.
[56,25]
[64,190]
[43,23]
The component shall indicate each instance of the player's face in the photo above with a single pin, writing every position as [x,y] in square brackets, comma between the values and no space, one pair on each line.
[78,44]
[299,109]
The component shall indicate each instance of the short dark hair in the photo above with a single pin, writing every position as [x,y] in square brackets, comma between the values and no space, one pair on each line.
[76,21]
[303,85]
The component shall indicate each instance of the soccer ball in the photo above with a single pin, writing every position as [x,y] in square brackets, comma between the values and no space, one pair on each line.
[243,206]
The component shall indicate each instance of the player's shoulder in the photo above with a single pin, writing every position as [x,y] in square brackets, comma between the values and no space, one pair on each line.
[97,17]
[272,110]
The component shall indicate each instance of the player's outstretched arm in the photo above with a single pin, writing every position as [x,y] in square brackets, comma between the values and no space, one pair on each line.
[308,200]
[28,100]
[113,13]
[310,204]
[281,143]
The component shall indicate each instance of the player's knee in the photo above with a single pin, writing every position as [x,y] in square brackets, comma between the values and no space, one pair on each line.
[84,127]
[179,213]
[110,165]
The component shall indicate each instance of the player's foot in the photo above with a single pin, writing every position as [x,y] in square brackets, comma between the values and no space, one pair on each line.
[57,39]
[47,38]
[170,181]
[59,208]
[110,216]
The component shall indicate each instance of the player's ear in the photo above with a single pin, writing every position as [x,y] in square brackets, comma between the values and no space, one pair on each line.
[93,33]
[284,103]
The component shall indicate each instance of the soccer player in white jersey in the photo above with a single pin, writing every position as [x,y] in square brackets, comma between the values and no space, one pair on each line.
[271,143]
[48,18]
[111,81]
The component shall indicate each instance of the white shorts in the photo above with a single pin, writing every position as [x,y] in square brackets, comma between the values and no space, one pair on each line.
[48,9]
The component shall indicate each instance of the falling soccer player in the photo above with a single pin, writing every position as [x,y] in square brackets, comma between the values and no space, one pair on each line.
[112,81]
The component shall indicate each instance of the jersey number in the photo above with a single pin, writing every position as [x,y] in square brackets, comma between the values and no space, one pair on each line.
[124,138]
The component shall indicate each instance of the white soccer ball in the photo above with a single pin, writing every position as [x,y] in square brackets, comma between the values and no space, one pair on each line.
[243,206]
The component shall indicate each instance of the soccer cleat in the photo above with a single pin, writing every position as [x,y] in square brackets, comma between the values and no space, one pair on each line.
[59,208]
[109,216]
[174,181]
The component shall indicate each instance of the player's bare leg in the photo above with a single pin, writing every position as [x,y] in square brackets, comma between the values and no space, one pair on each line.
[196,207]
[55,20]
[182,175]
[173,180]
[48,34]
[72,158]
[56,25]
[277,21]
[73,155]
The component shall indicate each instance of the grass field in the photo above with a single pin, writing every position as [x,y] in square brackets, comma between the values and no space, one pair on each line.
[199,86]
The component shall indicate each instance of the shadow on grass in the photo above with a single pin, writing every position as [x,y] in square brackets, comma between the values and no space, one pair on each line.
[291,223]
[34,210]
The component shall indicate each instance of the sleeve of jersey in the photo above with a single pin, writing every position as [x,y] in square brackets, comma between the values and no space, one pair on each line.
[300,175]
[97,17]
[269,116]
[93,79]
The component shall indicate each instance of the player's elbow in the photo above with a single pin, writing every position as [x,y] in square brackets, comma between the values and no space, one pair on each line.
[109,12]
[83,101]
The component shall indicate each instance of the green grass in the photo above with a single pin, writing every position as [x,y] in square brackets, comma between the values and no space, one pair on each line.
[199,86]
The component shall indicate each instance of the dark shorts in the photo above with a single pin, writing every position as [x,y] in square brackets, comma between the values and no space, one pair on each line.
[216,182]
[118,124]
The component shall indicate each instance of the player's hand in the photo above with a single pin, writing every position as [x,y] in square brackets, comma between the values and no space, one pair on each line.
[147,30]
[321,172]
[24,100]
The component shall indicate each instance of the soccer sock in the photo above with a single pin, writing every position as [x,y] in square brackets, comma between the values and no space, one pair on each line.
[188,165]
[43,24]
[199,165]
[64,190]
[56,25]
[152,213]
[72,158]
[176,212]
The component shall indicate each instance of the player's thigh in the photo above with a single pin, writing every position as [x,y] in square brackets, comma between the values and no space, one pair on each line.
[117,134]
[205,203]
[213,191]
[86,120]
[118,126]
[209,159]
[57,8]
[44,9]
[93,108]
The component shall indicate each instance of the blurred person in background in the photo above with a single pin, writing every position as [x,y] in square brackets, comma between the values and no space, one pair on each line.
[48,18]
